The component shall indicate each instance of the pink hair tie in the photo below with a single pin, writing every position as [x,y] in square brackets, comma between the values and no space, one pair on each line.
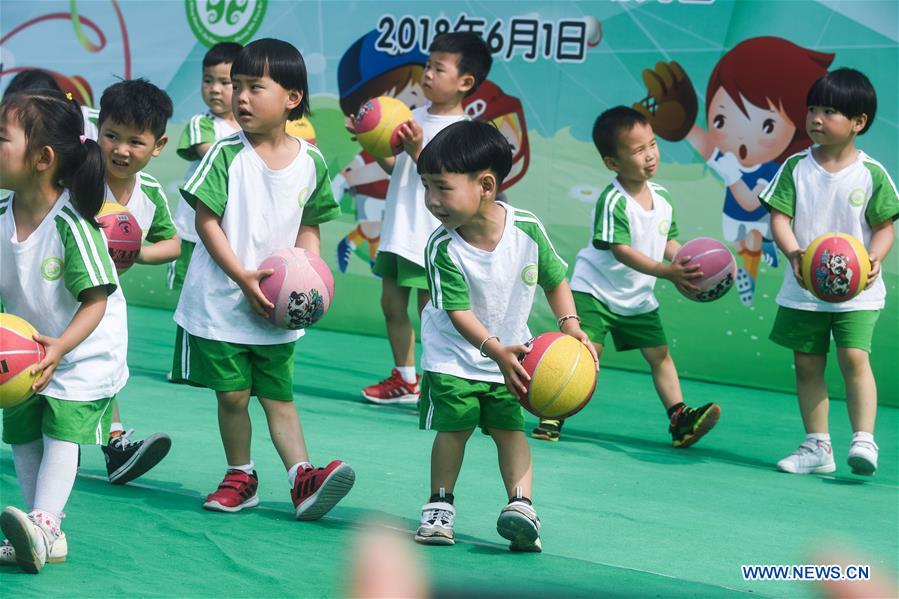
[81,138]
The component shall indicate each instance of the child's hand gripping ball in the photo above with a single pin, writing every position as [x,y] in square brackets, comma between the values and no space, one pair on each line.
[716,263]
[301,288]
[563,376]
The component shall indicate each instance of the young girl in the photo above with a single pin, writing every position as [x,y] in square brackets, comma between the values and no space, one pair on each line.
[58,276]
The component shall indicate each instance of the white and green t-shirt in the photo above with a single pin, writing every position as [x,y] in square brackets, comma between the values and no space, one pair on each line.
[43,276]
[261,211]
[150,207]
[407,223]
[618,218]
[91,117]
[498,286]
[203,128]
[819,202]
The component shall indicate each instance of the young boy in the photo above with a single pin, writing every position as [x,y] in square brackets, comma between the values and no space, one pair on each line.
[199,135]
[483,264]
[132,120]
[633,231]
[832,186]
[457,65]
[255,192]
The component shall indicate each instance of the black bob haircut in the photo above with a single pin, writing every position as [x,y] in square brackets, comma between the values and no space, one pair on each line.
[610,124]
[846,90]
[467,148]
[31,79]
[474,55]
[280,61]
[136,103]
[222,53]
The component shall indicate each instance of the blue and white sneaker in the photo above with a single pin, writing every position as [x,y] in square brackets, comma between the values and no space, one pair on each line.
[344,253]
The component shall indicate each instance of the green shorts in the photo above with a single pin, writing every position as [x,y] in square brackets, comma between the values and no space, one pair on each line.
[266,370]
[82,422]
[628,332]
[405,272]
[809,332]
[450,403]
[178,268]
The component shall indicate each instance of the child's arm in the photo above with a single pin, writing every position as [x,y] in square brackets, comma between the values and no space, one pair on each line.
[201,149]
[310,239]
[782,230]
[880,246]
[209,228]
[506,357]
[86,319]
[387,163]
[413,138]
[562,304]
[160,252]
[679,273]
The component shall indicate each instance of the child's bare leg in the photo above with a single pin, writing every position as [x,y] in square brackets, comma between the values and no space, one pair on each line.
[286,431]
[861,390]
[423,298]
[812,391]
[664,375]
[234,425]
[514,462]
[446,459]
[395,305]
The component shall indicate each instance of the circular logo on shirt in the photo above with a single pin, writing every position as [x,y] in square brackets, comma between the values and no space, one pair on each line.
[51,269]
[664,227]
[303,196]
[857,197]
[529,275]
[214,21]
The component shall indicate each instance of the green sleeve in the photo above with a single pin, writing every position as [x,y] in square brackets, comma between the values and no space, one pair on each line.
[884,202]
[200,130]
[320,206]
[780,194]
[672,230]
[162,226]
[610,222]
[209,183]
[551,268]
[86,261]
[446,283]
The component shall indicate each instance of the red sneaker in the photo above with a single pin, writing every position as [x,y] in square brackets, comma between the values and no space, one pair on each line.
[393,390]
[317,490]
[235,493]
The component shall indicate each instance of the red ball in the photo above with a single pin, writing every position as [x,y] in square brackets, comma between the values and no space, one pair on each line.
[123,235]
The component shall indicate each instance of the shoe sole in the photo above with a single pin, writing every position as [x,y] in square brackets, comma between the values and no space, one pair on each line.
[154,449]
[543,437]
[861,466]
[16,531]
[825,469]
[403,400]
[335,488]
[705,424]
[437,539]
[215,506]
[519,531]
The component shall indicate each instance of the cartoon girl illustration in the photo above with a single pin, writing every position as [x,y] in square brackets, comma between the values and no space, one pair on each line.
[755,114]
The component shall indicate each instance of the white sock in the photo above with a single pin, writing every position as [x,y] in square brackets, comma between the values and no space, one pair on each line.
[863,436]
[248,468]
[56,476]
[294,470]
[814,437]
[408,373]
[116,427]
[27,458]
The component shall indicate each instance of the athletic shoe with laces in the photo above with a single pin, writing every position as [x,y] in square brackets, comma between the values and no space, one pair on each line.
[812,457]
[689,425]
[317,490]
[127,459]
[436,526]
[548,430]
[236,492]
[394,390]
[863,457]
[31,536]
[58,551]
[518,522]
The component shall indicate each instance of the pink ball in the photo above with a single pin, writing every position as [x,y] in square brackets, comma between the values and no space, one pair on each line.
[717,264]
[301,288]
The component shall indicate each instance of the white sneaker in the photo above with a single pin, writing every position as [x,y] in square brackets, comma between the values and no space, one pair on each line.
[812,457]
[30,537]
[58,552]
[519,523]
[863,457]
[436,527]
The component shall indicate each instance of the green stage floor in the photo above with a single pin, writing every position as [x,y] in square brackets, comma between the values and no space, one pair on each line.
[623,514]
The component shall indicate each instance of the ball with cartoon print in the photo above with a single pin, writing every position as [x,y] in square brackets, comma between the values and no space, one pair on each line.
[123,235]
[835,267]
[563,376]
[716,263]
[301,288]
[19,353]
[376,126]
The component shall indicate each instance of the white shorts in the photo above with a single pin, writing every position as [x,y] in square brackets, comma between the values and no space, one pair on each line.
[735,230]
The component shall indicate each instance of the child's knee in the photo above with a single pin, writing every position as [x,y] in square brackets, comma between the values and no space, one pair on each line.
[809,366]
[657,356]
[853,360]
[233,400]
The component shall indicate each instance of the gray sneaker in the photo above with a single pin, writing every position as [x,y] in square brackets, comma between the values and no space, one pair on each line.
[31,537]
[519,523]
[812,457]
[436,527]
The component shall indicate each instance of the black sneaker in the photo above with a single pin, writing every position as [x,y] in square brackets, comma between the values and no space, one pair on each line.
[548,430]
[688,425]
[127,459]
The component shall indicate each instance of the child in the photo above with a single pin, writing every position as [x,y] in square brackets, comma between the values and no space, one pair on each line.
[255,192]
[57,275]
[483,264]
[457,65]
[35,79]
[832,186]
[633,231]
[198,137]
[133,116]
